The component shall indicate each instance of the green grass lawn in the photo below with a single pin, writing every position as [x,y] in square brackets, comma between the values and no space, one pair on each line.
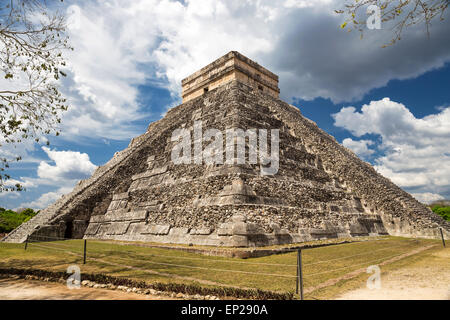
[275,273]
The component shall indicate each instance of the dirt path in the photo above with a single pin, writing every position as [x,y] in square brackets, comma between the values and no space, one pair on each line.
[39,290]
[357,272]
[424,280]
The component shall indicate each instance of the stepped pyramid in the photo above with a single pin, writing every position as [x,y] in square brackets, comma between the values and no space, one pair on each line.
[321,189]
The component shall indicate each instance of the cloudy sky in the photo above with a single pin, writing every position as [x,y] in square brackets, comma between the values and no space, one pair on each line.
[391,105]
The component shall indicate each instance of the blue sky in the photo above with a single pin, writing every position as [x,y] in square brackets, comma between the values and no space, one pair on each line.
[390,106]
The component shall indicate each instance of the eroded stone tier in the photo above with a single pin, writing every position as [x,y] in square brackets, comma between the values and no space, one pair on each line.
[322,190]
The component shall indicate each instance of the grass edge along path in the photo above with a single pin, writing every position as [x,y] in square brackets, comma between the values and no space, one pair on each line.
[202,281]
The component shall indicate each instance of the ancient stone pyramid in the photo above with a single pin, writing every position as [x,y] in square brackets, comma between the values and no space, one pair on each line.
[321,190]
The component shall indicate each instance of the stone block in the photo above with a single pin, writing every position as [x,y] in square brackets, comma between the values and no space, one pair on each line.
[156,229]
[275,227]
[113,205]
[150,173]
[225,229]
[240,228]
[120,196]
[104,228]
[239,241]
[147,203]
[332,227]
[92,228]
[135,228]
[238,218]
[97,218]
[117,228]
[201,231]
[243,228]
[179,231]
[357,228]
[127,216]
[357,205]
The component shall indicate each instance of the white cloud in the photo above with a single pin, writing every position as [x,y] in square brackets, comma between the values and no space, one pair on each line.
[427,197]
[65,169]
[122,44]
[299,40]
[361,147]
[305,3]
[416,154]
[46,199]
[24,183]
[11,151]
[69,166]
[9,194]
[109,62]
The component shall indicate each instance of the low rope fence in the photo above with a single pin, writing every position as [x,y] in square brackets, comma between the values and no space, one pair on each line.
[158,263]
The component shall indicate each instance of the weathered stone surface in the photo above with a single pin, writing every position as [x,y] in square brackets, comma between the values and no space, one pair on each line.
[151,173]
[179,231]
[97,218]
[92,229]
[121,196]
[127,216]
[156,229]
[117,228]
[225,229]
[321,189]
[201,231]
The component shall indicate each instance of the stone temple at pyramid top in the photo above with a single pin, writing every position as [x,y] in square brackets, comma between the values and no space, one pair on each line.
[230,67]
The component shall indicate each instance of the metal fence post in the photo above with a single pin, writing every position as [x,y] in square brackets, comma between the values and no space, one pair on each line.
[296,278]
[84,255]
[299,273]
[442,236]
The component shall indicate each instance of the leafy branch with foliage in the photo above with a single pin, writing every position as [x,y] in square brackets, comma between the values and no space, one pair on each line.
[443,211]
[402,14]
[32,41]
[9,220]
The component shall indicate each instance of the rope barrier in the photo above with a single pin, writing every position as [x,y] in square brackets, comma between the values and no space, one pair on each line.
[184,266]
[49,237]
[263,264]
[218,260]
[51,246]
[220,270]
[355,255]
[50,249]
